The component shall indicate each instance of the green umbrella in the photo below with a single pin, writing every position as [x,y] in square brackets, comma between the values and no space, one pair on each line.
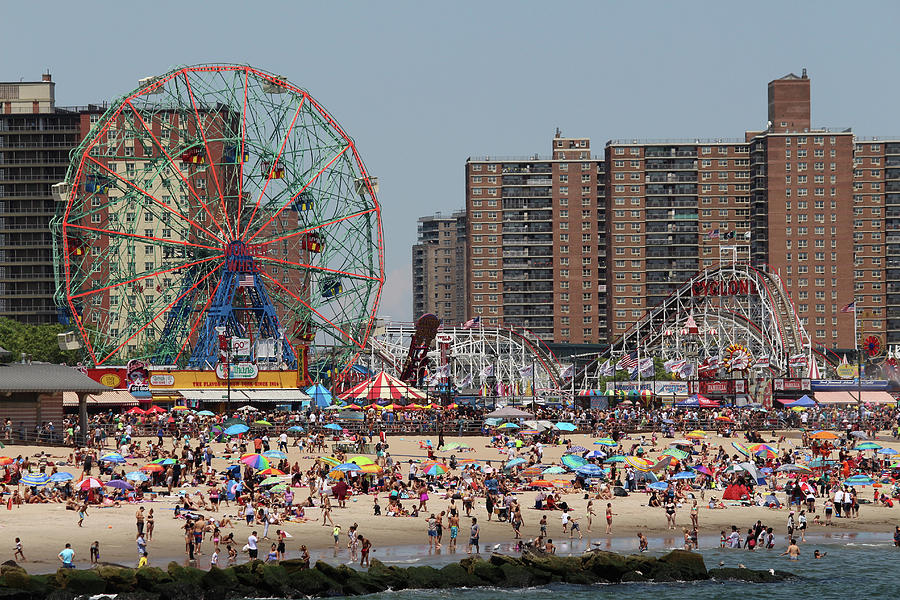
[277,489]
[676,453]
[270,481]
[262,422]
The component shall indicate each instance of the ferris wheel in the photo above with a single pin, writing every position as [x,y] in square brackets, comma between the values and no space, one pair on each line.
[215,202]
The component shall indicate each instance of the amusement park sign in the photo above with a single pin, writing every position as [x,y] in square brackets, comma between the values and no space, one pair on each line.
[237,371]
[733,287]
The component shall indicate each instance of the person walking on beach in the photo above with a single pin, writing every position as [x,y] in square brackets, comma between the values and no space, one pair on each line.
[695,516]
[453,522]
[326,512]
[590,514]
[801,525]
[609,516]
[670,513]
[474,533]
[18,551]
[432,531]
[252,548]
[517,521]
[365,547]
[82,513]
[139,520]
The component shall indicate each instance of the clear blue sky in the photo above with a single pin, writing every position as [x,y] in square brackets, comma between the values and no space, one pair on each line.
[423,85]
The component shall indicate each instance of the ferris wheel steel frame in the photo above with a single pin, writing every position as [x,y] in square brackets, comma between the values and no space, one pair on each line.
[284,175]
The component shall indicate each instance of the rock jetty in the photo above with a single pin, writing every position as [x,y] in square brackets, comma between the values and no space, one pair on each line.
[290,578]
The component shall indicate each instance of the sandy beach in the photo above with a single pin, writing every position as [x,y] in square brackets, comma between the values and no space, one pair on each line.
[45,528]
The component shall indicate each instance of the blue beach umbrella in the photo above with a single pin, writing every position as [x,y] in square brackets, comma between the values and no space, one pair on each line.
[236,429]
[684,475]
[113,457]
[206,413]
[295,429]
[274,454]
[887,451]
[606,442]
[590,470]
[553,471]
[35,479]
[334,426]
[658,485]
[136,476]
[514,462]
[563,426]
[860,480]
[61,476]
[615,459]
[347,467]
[868,446]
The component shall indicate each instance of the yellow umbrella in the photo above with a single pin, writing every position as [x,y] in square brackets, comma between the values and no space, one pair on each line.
[697,434]
[373,468]
[180,408]
[330,460]
[362,460]
[641,464]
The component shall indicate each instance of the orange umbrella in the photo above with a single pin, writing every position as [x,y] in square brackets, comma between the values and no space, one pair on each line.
[5,460]
[453,406]
[414,407]
[271,471]
[824,435]
[371,469]
[374,406]
[152,468]
[541,483]
[353,407]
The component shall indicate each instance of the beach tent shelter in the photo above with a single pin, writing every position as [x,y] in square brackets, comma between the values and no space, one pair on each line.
[320,394]
[736,492]
[804,401]
[771,501]
[384,387]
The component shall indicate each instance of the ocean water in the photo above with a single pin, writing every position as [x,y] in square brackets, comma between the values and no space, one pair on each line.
[857,565]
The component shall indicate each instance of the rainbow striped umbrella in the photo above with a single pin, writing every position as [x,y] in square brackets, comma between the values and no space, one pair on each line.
[255,461]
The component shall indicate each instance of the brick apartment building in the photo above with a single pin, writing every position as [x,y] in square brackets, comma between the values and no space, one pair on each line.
[36,137]
[439,273]
[577,248]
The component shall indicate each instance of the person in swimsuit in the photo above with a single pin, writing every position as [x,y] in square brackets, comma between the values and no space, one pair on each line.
[272,556]
[364,551]
[149,535]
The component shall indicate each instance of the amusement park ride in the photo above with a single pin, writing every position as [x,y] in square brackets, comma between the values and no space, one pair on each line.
[217,203]
[220,212]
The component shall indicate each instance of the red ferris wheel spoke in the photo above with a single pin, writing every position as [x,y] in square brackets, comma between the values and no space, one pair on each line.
[315,268]
[174,165]
[201,314]
[304,303]
[272,169]
[295,196]
[319,226]
[212,166]
[157,315]
[143,237]
[155,200]
[154,274]
[240,197]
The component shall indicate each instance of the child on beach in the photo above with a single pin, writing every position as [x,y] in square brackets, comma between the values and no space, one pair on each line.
[642,542]
[18,553]
[543,524]
[95,552]
[364,551]
[82,513]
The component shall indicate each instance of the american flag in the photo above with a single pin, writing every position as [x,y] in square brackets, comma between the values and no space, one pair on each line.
[471,323]
[849,308]
[246,281]
[628,361]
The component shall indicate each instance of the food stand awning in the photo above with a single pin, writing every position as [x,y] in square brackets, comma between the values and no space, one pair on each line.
[852,397]
[111,398]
